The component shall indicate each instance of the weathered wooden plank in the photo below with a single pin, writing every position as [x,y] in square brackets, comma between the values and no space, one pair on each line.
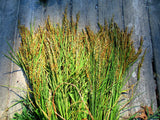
[109,9]
[136,15]
[25,13]
[91,11]
[31,13]
[55,10]
[88,13]
[8,15]
[154,19]
[18,85]
[36,12]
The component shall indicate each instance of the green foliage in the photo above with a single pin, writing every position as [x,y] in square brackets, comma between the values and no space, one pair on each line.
[74,75]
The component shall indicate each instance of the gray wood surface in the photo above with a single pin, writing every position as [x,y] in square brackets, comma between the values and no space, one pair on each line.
[109,9]
[8,19]
[136,15]
[142,15]
[154,19]
[88,13]
[55,9]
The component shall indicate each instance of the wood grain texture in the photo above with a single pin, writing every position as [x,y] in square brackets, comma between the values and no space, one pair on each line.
[88,13]
[142,15]
[136,15]
[55,9]
[8,19]
[154,19]
[109,9]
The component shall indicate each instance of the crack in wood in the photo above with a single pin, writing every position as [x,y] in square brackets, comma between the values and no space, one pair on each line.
[97,8]
[123,21]
[71,8]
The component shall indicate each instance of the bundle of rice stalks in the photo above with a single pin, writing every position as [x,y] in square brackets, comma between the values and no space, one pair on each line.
[74,75]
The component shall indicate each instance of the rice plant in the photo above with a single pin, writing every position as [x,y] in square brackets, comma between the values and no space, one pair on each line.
[74,75]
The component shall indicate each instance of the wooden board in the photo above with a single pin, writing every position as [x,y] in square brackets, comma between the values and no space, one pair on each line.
[109,9]
[136,15]
[154,19]
[55,10]
[127,13]
[9,17]
[88,13]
